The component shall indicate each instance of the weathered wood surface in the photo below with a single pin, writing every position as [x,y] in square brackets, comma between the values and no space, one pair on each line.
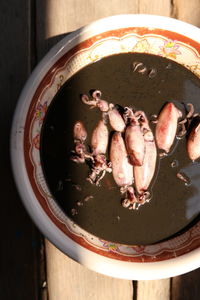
[187,11]
[186,287]
[69,280]
[55,18]
[60,18]
[29,29]
[153,289]
[19,242]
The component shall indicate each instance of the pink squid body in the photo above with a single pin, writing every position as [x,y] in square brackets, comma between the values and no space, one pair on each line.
[115,119]
[99,140]
[135,144]
[193,143]
[122,169]
[144,174]
[166,126]
[79,132]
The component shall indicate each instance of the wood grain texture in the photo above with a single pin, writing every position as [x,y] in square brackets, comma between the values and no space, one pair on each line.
[19,244]
[155,7]
[153,290]
[68,280]
[186,287]
[55,18]
[187,10]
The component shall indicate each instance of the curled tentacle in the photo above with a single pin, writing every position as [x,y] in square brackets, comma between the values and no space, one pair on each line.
[139,67]
[144,197]
[185,123]
[99,169]
[152,73]
[154,119]
[182,130]
[97,94]
[184,178]
[191,111]
[85,99]
[96,101]
[163,154]
[128,114]
[130,199]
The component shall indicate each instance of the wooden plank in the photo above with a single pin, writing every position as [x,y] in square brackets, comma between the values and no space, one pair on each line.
[186,286]
[155,7]
[19,244]
[55,18]
[153,290]
[69,280]
[188,11]
[156,289]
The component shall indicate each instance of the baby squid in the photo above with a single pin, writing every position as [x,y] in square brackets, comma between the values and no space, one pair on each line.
[80,153]
[134,140]
[130,200]
[115,119]
[144,174]
[99,140]
[122,169]
[109,110]
[96,101]
[193,142]
[99,168]
[79,132]
[99,143]
[166,127]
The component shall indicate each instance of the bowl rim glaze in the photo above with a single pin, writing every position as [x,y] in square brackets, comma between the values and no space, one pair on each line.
[105,265]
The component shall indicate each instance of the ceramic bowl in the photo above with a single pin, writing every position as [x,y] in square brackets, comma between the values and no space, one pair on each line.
[157,35]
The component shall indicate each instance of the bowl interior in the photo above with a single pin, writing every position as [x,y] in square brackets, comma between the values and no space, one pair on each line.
[102,225]
[174,205]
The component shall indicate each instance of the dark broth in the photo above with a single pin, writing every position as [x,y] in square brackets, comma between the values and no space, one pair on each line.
[174,206]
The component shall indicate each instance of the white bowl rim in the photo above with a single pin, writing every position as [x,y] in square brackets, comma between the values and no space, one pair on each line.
[94,261]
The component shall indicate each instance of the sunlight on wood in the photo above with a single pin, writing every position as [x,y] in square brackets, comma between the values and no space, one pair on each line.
[155,7]
[68,280]
[188,11]
[76,13]
[153,290]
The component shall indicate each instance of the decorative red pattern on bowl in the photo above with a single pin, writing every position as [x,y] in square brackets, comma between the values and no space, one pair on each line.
[79,51]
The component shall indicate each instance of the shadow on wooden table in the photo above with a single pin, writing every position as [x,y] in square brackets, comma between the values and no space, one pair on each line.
[186,287]
[20,242]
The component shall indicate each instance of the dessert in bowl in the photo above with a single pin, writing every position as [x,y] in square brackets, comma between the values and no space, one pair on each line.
[137,63]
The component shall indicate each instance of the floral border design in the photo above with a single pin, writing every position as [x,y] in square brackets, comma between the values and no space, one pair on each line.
[147,43]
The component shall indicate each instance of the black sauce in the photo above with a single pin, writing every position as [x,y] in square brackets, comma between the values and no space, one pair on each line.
[174,205]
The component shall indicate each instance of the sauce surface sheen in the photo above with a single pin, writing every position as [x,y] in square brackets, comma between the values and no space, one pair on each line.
[173,206]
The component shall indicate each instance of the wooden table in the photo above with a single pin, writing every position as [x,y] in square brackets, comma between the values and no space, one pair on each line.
[31,268]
